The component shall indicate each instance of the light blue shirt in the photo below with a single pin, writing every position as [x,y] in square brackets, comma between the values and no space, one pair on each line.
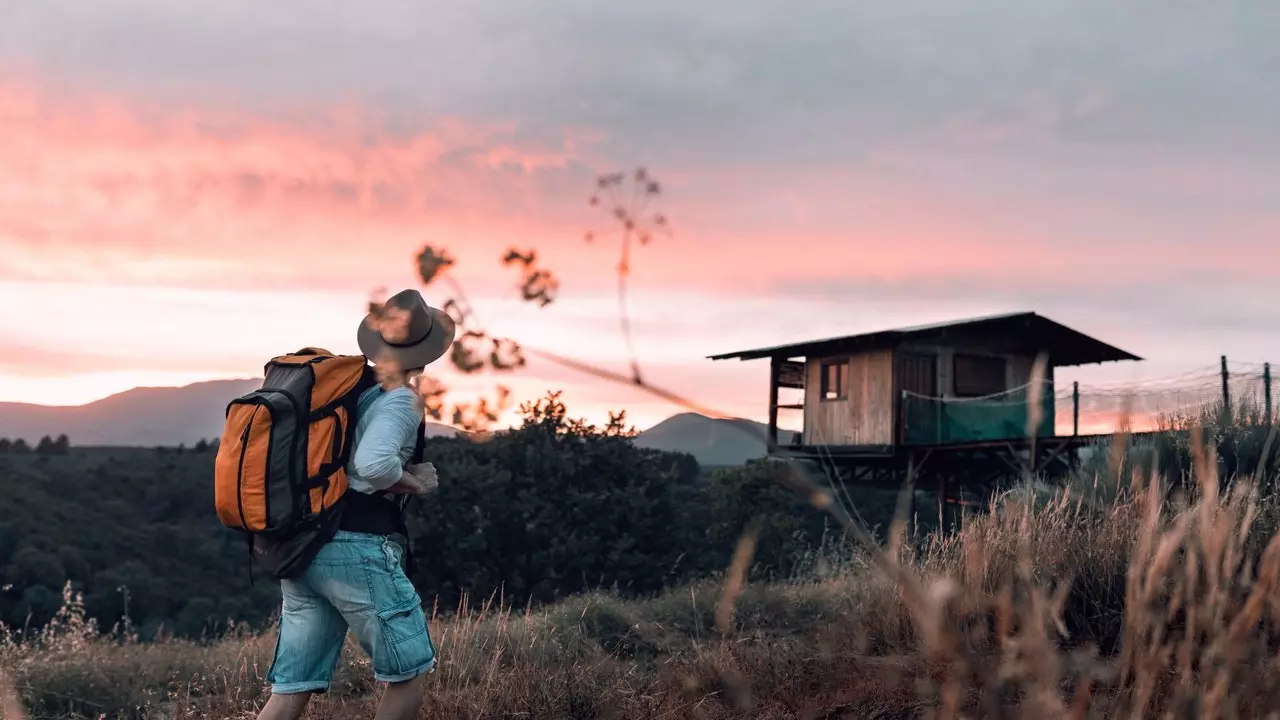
[386,434]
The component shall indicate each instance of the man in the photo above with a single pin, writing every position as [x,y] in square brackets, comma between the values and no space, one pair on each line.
[356,580]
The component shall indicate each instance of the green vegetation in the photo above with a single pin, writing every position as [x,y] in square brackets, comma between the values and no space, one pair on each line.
[553,509]
[132,529]
[1139,607]
[584,577]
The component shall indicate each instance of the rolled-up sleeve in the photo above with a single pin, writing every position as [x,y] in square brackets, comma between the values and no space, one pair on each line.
[377,458]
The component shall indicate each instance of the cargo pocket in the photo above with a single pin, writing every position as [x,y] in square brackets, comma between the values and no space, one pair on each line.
[405,645]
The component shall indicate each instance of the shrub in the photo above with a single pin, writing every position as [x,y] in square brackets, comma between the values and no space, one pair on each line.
[554,508]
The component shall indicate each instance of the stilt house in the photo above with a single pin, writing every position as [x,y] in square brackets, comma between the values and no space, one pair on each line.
[945,384]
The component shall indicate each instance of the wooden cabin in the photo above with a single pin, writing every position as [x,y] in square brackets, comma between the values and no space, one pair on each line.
[944,384]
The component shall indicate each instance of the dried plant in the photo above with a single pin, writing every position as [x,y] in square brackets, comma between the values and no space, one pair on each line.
[633,221]
[1143,608]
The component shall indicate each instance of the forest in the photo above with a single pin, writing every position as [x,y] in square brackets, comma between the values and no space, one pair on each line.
[552,508]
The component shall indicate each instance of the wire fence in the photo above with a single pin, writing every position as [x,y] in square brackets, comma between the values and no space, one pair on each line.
[1239,391]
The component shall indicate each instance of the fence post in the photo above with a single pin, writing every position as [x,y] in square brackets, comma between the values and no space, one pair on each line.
[1075,408]
[1226,392]
[1266,390]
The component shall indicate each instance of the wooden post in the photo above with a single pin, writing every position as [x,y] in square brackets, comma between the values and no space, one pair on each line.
[775,373]
[1075,408]
[1266,390]
[1226,392]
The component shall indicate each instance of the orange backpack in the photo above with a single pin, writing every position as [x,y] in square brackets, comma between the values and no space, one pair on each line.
[281,464]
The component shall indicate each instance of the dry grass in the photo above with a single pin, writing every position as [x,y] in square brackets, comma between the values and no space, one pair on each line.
[1147,607]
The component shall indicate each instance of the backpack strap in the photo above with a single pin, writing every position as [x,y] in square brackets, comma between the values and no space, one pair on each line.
[420,448]
[249,542]
[419,453]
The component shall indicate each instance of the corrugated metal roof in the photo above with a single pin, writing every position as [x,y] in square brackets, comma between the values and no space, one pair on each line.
[1065,345]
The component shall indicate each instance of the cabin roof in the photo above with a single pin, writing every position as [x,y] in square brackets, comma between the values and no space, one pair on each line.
[1065,346]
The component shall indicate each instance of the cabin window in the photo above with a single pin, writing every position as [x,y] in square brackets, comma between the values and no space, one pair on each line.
[835,375]
[978,375]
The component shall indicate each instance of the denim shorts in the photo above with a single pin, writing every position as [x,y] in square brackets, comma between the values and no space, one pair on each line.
[355,582]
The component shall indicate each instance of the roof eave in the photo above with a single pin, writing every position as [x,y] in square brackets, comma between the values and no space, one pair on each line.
[1121,356]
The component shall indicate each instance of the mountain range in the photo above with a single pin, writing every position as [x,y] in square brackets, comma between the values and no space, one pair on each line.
[171,416]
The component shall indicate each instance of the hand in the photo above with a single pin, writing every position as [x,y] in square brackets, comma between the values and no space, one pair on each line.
[417,479]
[426,477]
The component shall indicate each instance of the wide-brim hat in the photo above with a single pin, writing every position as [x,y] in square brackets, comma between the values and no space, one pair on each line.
[409,332]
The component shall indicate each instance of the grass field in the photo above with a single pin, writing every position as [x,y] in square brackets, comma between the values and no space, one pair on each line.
[1146,605]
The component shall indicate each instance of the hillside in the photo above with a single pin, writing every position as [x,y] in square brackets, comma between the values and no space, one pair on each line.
[714,442]
[141,417]
[128,502]
[640,520]
[172,416]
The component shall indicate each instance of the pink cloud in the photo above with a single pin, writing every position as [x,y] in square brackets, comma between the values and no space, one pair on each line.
[91,188]
[129,225]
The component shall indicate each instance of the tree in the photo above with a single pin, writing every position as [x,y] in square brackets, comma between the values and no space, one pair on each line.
[785,526]
[73,563]
[32,566]
[554,508]
[49,446]
[39,603]
[5,445]
[20,446]
[8,542]
[196,617]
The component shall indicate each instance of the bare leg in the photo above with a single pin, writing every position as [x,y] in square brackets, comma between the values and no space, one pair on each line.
[402,700]
[285,707]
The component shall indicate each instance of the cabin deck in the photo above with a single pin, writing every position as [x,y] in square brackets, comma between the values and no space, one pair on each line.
[988,464]
[979,466]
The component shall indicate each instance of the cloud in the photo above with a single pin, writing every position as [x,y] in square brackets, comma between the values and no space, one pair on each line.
[711,79]
[828,167]
[911,137]
[93,187]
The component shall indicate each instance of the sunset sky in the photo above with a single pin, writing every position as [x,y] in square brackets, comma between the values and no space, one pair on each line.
[189,188]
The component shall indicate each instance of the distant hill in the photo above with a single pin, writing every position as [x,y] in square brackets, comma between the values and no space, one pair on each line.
[712,441]
[140,417]
[172,416]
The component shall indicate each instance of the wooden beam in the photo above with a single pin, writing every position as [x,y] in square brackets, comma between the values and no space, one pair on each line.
[775,374]
[791,375]
[1054,453]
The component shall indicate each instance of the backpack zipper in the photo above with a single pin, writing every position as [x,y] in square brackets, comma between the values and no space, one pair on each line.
[244,448]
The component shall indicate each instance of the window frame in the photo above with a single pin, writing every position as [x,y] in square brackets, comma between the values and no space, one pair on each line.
[841,367]
[966,390]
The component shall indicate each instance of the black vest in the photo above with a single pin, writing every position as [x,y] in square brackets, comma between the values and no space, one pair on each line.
[379,514]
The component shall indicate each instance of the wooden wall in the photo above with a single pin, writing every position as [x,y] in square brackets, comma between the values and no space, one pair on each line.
[865,417]
[1017,368]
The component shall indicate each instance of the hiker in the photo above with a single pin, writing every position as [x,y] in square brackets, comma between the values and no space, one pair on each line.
[356,579]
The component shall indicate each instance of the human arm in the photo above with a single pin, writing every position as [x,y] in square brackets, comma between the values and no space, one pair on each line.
[417,480]
[377,457]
